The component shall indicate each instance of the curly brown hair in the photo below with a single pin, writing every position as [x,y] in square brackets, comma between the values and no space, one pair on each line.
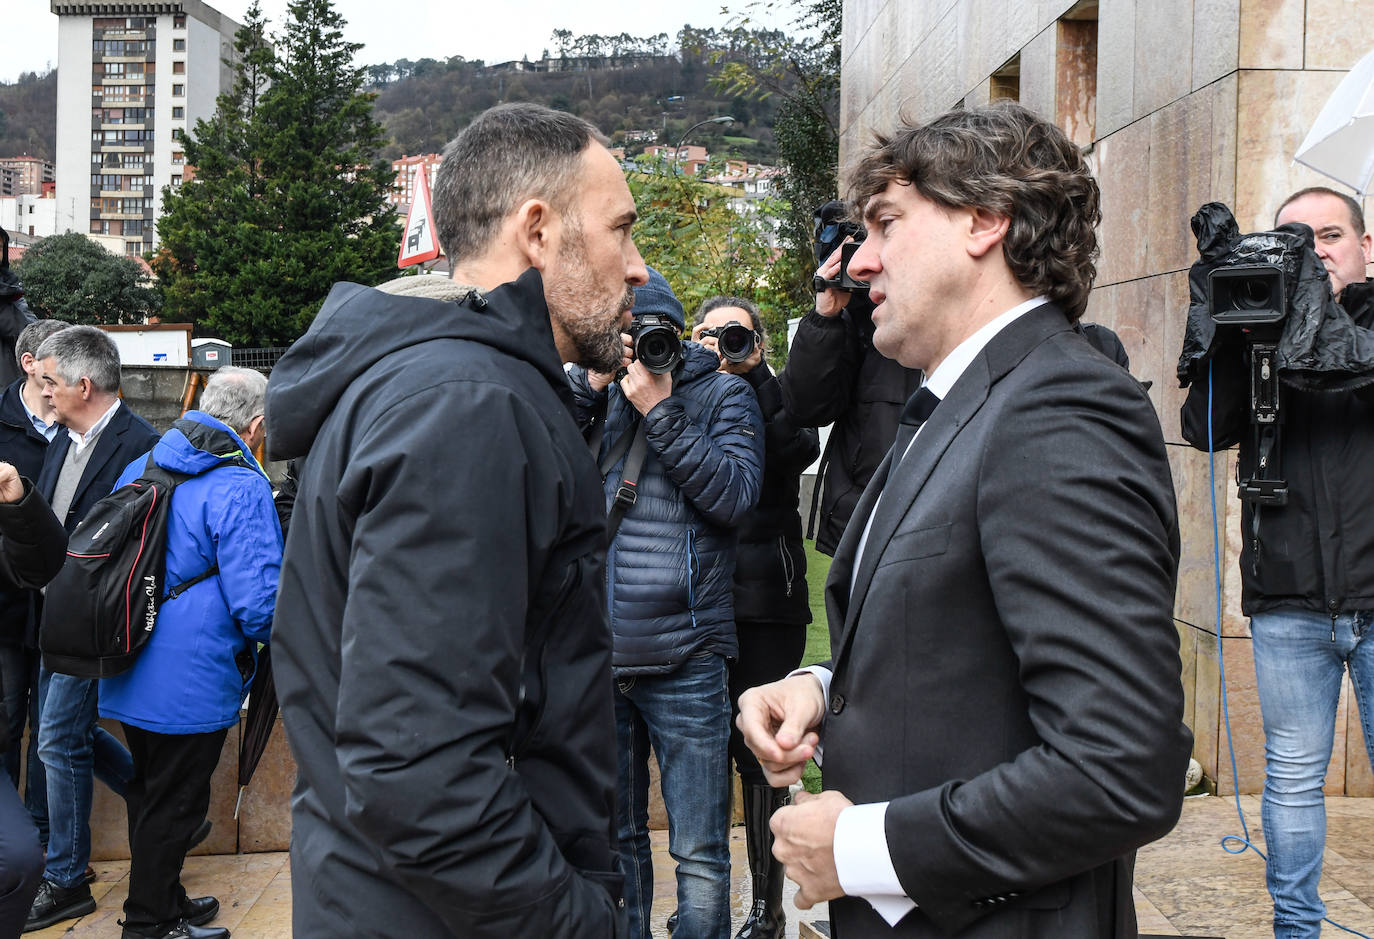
[1008,161]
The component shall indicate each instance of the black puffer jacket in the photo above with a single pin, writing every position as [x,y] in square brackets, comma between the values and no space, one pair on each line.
[441,649]
[1316,552]
[834,375]
[770,562]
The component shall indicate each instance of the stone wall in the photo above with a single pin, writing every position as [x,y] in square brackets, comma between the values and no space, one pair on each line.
[1178,103]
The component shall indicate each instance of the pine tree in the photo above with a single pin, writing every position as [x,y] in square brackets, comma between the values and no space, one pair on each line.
[289,195]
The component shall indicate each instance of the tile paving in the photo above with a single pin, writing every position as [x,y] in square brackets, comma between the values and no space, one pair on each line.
[1186,885]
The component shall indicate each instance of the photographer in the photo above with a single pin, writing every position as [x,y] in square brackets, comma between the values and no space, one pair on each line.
[772,605]
[698,437]
[1307,566]
[835,376]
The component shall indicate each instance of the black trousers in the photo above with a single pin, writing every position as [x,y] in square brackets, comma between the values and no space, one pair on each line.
[767,652]
[168,798]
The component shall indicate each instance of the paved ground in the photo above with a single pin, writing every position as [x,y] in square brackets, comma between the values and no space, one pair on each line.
[1185,885]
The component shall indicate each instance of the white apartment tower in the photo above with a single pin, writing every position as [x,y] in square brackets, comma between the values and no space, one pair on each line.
[131,77]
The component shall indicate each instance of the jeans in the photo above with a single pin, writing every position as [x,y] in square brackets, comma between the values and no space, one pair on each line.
[19,676]
[72,748]
[1299,667]
[685,715]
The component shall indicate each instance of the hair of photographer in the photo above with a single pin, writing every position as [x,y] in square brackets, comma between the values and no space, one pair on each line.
[1356,212]
[716,303]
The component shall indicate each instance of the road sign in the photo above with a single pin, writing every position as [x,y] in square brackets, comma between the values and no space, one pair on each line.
[418,243]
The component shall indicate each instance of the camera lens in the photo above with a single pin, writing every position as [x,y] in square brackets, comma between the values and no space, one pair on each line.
[1254,294]
[736,342]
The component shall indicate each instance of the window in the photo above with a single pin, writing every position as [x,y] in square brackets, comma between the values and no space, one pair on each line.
[179,21]
[178,68]
[178,158]
[178,114]
[178,91]
[178,45]
[133,226]
[177,132]
[1006,81]
[176,180]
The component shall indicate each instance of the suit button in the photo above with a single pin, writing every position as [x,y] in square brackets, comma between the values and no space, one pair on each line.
[836,703]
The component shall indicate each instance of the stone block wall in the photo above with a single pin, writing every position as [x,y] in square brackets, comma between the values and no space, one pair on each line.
[1181,102]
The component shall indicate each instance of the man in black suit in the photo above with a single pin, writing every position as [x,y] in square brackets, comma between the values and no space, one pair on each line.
[80,371]
[1002,713]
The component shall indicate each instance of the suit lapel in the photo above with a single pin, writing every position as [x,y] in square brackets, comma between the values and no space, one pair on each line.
[837,597]
[53,459]
[104,451]
[907,478]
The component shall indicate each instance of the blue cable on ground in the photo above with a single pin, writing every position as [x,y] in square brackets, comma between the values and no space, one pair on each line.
[1232,844]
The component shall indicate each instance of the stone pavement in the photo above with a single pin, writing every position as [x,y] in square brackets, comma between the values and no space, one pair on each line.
[1185,885]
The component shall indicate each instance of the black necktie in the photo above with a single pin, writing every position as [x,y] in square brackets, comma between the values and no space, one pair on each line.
[918,409]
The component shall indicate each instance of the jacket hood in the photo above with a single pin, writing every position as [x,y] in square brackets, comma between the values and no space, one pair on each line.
[697,360]
[359,326]
[198,442]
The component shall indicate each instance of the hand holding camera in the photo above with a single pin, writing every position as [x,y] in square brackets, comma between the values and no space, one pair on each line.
[737,345]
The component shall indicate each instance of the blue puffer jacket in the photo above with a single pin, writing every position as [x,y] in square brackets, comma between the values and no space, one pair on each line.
[670,571]
[192,675]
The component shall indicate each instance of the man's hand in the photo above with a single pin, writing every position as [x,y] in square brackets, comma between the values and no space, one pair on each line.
[804,840]
[644,388]
[11,486]
[779,722]
[830,302]
[600,380]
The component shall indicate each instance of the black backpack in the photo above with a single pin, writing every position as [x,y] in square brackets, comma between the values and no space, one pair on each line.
[100,609]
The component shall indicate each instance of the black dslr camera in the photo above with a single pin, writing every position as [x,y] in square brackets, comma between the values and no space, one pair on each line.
[832,227]
[657,342]
[734,341]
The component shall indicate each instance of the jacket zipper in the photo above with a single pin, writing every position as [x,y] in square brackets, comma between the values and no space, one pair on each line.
[787,568]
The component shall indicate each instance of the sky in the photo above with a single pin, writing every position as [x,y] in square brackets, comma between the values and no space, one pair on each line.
[416,29]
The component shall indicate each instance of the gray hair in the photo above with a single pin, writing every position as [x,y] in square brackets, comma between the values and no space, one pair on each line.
[508,154]
[234,396]
[32,336]
[83,352]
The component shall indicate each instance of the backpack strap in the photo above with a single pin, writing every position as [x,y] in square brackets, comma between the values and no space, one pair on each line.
[186,585]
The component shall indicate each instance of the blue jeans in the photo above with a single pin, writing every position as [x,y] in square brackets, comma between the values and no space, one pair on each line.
[685,715]
[1298,670]
[73,747]
[19,675]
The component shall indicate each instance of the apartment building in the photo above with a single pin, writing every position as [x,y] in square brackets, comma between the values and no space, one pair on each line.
[132,76]
[24,175]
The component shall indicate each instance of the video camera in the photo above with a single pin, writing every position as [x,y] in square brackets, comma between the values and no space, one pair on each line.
[831,229]
[657,342]
[734,341]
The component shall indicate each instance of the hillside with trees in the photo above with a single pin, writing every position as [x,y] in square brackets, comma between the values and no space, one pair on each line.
[28,116]
[627,86]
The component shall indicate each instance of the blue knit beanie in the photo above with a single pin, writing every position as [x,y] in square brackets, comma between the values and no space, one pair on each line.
[657,297]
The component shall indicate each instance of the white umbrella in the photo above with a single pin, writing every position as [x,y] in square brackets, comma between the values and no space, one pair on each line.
[1341,141]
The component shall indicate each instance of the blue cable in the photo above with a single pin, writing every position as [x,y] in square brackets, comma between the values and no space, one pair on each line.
[1232,844]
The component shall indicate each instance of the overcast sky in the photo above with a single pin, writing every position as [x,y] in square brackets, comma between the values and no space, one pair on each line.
[414,29]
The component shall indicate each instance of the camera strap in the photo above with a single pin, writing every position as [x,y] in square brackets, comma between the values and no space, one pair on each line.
[636,441]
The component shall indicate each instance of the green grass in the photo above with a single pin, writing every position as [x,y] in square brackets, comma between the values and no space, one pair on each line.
[817,635]
[740,141]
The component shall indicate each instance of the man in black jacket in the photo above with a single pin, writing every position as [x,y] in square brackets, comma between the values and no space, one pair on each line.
[442,653]
[80,370]
[1307,569]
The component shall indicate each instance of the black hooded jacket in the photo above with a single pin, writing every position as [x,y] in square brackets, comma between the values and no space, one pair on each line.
[441,648]
[1317,552]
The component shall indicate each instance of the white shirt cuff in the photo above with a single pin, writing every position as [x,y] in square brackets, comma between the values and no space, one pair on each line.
[863,863]
[823,675]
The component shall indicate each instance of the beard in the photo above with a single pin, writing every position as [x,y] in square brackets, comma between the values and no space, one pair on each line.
[588,313]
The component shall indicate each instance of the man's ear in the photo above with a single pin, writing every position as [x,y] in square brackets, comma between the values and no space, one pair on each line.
[26,362]
[535,229]
[87,389]
[986,231]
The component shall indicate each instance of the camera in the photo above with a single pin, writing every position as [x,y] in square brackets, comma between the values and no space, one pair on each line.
[1247,295]
[734,341]
[657,342]
[832,228]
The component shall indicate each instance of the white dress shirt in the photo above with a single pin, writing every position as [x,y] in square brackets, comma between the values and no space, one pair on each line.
[862,859]
[49,431]
[82,441]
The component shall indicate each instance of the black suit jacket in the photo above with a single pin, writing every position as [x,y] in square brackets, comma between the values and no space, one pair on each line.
[125,437]
[25,447]
[1006,670]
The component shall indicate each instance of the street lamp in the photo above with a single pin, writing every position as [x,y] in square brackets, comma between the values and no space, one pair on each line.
[677,151]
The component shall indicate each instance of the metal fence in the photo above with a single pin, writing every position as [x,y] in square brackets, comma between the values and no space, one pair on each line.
[260,359]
